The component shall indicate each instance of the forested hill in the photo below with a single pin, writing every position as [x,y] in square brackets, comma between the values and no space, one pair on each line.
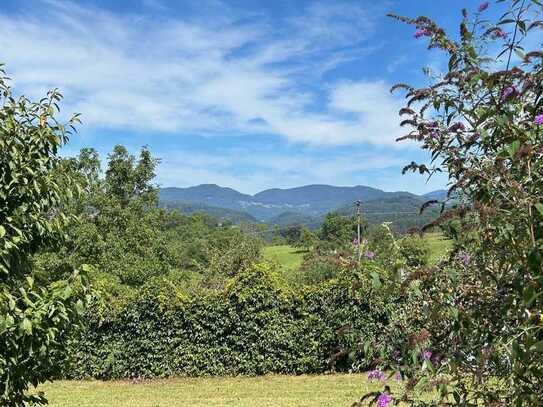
[303,205]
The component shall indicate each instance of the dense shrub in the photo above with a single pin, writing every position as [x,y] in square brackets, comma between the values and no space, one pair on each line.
[254,326]
[415,250]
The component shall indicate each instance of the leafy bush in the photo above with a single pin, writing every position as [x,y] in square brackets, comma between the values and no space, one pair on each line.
[415,250]
[254,326]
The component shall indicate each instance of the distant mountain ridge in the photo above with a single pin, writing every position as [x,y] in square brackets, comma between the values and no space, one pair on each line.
[305,204]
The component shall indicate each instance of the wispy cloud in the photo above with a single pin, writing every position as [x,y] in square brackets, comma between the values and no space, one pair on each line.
[227,73]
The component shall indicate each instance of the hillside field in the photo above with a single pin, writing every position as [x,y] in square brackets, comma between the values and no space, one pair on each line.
[290,258]
[287,257]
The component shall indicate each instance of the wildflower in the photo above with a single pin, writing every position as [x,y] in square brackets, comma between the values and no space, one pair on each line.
[423,32]
[384,400]
[483,6]
[509,91]
[464,258]
[369,254]
[539,119]
[457,127]
[376,375]
[427,355]
[398,377]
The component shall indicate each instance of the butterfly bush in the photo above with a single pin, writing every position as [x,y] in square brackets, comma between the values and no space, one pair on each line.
[480,310]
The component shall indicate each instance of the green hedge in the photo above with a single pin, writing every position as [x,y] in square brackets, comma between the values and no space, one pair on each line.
[253,327]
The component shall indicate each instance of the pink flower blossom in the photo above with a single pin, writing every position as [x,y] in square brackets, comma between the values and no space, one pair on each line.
[457,127]
[483,6]
[369,254]
[423,32]
[376,375]
[510,91]
[427,355]
[384,400]
[539,119]
[499,33]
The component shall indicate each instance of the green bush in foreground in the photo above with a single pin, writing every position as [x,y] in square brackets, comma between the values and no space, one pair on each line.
[254,326]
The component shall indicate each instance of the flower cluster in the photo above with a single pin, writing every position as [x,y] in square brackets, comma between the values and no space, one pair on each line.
[376,375]
[384,400]
[423,32]
[498,33]
[539,119]
[369,254]
[509,92]
[483,6]
[427,355]
[464,258]
[457,127]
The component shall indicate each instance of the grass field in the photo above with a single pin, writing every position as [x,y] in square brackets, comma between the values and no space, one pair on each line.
[439,246]
[277,391]
[289,258]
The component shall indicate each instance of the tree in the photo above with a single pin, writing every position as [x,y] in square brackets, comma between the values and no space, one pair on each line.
[338,230]
[35,318]
[127,179]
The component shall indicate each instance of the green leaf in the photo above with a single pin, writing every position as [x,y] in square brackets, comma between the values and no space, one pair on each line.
[539,208]
[537,347]
[513,148]
[2,231]
[26,326]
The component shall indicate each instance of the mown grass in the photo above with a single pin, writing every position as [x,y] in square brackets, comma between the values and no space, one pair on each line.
[287,257]
[262,391]
[439,246]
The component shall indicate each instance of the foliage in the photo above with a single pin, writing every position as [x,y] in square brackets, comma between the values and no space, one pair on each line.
[35,317]
[481,123]
[415,250]
[255,325]
[338,231]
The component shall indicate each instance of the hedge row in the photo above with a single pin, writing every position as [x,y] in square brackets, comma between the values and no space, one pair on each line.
[253,327]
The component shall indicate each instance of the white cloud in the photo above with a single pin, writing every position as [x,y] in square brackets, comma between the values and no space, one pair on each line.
[208,76]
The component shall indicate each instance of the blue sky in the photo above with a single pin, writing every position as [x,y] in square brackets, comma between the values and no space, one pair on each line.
[242,93]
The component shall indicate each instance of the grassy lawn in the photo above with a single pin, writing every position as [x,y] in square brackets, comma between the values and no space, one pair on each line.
[439,246]
[277,391]
[289,258]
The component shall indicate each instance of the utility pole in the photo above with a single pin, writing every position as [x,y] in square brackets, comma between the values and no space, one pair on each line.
[358,204]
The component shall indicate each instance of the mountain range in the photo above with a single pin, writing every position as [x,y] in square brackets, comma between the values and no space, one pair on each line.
[302,205]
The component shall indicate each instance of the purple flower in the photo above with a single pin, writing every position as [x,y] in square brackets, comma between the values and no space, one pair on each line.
[508,92]
[423,32]
[457,127]
[398,377]
[376,375]
[427,355]
[369,254]
[483,6]
[384,400]
[498,33]
[464,257]
[539,119]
